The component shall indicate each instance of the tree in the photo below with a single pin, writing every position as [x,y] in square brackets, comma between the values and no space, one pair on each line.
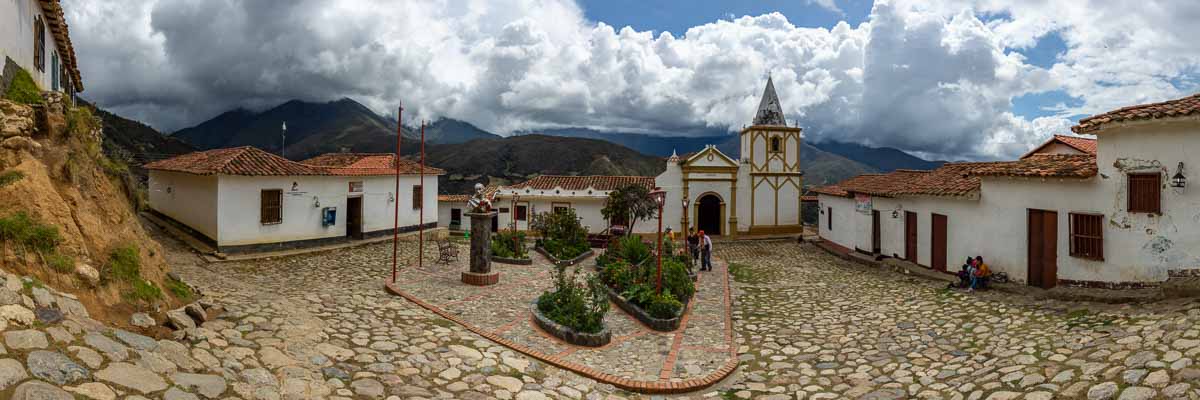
[631,204]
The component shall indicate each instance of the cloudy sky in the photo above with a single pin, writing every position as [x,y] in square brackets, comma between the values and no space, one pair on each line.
[959,79]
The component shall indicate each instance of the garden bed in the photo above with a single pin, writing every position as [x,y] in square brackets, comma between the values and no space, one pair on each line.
[658,324]
[570,335]
[570,262]
[513,261]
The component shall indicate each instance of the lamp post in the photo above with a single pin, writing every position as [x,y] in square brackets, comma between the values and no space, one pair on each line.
[660,197]
[686,232]
[513,214]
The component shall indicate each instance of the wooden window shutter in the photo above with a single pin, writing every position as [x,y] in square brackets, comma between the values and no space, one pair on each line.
[1087,236]
[829,219]
[271,211]
[418,195]
[1145,191]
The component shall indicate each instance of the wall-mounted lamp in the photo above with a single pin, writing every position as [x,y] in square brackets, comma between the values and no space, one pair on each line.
[391,197]
[316,202]
[1179,180]
[895,214]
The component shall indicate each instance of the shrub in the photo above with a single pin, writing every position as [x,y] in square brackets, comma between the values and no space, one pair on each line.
[142,290]
[563,236]
[9,177]
[573,305]
[28,231]
[677,281]
[617,275]
[663,306]
[179,289]
[23,90]
[509,244]
[60,263]
[125,264]
[563,250]
[632,249]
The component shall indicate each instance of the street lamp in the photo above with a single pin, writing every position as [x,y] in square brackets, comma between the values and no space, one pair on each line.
[660,197]
[686,232]
[513,214]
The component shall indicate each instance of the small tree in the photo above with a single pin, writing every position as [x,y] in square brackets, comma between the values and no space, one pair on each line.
[631,203]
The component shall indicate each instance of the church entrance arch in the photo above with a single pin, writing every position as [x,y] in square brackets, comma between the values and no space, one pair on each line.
[709,213]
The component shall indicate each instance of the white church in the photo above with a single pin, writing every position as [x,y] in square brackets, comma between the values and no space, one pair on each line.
[757,192]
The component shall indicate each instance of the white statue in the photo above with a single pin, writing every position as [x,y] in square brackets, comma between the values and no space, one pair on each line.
[479,203]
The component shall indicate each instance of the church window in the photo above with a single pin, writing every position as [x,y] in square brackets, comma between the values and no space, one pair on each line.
[776,145]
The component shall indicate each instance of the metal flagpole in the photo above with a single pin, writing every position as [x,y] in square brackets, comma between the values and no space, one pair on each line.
[396,198]
[421,212]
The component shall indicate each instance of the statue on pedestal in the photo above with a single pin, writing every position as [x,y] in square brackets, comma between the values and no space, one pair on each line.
[481,215]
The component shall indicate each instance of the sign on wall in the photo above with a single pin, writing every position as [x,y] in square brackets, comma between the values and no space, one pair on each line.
[862,203]
[356,187]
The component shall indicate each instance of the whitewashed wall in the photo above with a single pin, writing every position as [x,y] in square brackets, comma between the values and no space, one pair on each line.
[240,198]
[969,232]
[844,222]
[444,220]
[189,199]
[16,38]
[377,211]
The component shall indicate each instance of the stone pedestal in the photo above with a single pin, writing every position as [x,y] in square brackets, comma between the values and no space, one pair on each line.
[481,273]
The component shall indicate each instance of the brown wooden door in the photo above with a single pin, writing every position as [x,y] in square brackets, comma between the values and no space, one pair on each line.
[876,247]
[910,236]
[1043,248]
[937,239]
[354,217]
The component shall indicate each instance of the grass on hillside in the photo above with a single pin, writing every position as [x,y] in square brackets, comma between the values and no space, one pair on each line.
[10,177]
[125,265]
[23,90]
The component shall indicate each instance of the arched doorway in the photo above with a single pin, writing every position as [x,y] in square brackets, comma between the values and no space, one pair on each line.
[708,214]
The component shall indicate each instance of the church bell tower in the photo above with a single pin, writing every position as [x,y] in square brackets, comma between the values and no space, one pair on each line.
[770,157]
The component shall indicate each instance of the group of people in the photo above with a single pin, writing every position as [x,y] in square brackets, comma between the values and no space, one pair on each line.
[974,274]
[700,247]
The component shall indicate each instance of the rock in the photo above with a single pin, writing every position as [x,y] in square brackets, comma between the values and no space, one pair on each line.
[1137,393]
[367,388]
[88,356]
[530,395]
[48,315]
[466,353]
[42,297]
[93,390]
[17,313]
[87,274]
[55,367]
[132,377]
[176,394]
[196,312]
[11,372]
[180,320]
[210,386]
[141,320]
[25,339]
[8,296]
[1157,379]
[1102,391]
[110,348]
[20,143]
[136,341]
[513,385]
[38,390]
[450,374]
[273,358]
[335,373]
[334,352]
[72,307]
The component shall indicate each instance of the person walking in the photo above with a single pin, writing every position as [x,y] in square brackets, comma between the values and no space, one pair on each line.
[705,252]
[693,244]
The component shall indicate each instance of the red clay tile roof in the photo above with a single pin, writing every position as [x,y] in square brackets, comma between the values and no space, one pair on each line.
[252,161]
[489,191]
[1084,145]
[245,160]
[882,184]
[360,164]
[1042,165]
[596,182]
[951,179]
[808,198]
[1168,109]
[831,190]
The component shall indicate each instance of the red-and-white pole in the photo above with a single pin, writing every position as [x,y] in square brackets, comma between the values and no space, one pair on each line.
[421,212]
[396,210]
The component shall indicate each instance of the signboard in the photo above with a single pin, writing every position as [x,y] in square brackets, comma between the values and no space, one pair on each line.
[862,203]
[356,187]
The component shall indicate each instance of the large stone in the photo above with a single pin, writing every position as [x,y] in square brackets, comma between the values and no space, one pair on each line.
[1102,391]
[9,296]
[132,377]
[87,274]
[1137,393]
[110,348]
[196,312]
[210,386]
[42,297]
[16,313]
[176,394]
[136,341]
[72,307]
[180,320]
[512,385]
[141,320]
[55,367]
[11,372]
[20,143]
[93,390]
[25,339]
[466,353]
[38,390]
[369,388]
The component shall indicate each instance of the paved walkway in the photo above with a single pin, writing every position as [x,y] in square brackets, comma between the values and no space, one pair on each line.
[692,357]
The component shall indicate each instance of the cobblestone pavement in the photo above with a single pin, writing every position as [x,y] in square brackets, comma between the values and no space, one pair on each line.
[816,327]
[504,309]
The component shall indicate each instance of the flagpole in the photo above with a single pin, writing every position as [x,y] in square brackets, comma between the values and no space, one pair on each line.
[421,212]
[396,202]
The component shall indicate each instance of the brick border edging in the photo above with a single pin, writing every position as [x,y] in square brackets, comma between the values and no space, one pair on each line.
[639,386]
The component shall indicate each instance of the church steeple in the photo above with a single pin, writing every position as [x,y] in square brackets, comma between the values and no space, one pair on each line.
[769,110]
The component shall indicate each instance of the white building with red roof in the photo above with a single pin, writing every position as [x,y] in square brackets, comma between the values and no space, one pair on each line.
[1112,211]
[34,37]
[246,199]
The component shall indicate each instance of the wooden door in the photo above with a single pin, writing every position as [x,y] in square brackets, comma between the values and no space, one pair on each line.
[876,246]
[354,217]
[1042,256]
[937,251]
[910,236]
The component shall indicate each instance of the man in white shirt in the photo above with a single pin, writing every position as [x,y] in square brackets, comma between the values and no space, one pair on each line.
[706,252]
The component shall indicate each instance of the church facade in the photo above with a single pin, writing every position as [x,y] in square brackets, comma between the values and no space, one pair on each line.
[758,192]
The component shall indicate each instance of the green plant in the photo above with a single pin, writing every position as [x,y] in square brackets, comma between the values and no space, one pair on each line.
[579,307]
[617,275]
[124,264]
[629,204]
[563,236]
[61,263]
[10,177]
[179,289]
[23,90]
[663,306]
[142,290]
[509,244]
[28,231]
[632,249]
[677,281]
[81,122]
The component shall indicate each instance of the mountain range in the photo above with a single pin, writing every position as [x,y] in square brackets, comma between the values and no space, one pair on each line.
[471,154]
